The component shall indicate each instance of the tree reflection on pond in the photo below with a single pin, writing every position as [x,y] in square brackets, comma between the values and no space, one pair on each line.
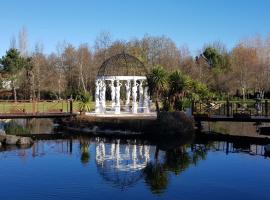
[157,171]
[84,150]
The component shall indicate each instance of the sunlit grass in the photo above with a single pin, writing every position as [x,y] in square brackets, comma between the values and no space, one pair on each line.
[39,107]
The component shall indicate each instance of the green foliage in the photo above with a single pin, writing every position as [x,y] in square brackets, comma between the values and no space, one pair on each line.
[157,82]
[157,79]
[176,83]
[84,99]
[214,58]
[177,89]
[12,128]
[12,62]
[167,105]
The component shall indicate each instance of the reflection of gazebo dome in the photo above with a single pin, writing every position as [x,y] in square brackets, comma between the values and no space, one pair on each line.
[122,73]
[121,164]
[122,65]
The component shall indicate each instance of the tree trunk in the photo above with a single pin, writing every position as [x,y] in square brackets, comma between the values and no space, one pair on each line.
[157,104]
[38,84]
[14,91]
[81,77]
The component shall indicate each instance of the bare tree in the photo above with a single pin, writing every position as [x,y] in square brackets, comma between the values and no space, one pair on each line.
[23,40]
[12,43]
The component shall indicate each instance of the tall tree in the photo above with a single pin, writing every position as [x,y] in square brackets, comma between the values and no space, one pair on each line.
[12,63]
[157,81]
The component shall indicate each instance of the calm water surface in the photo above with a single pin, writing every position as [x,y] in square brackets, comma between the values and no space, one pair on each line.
[99,168]
[102,168]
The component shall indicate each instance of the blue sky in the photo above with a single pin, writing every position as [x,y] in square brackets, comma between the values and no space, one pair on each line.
[187,22]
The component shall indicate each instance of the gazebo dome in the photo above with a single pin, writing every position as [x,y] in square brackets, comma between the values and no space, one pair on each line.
[122,64]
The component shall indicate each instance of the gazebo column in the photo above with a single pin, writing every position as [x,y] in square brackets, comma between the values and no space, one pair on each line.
[127,95]
[103,96]
[117,97]
[146,103]
[112,94]
[97,106]
[134,96]
[141,96]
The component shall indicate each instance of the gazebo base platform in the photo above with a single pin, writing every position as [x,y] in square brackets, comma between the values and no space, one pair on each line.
[128,115]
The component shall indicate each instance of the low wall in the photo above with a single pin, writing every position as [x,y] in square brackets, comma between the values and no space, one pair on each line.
[168,123]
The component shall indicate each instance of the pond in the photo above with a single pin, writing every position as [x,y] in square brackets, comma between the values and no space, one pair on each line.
[114,168]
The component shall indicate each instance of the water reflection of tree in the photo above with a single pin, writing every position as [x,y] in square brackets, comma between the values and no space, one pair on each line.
[84,149]
[156,177]
[175,160]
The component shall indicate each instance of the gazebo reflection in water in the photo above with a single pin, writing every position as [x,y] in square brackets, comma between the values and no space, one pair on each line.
[121,164]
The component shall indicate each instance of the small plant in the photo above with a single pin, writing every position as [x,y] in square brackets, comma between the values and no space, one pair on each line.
[84,102]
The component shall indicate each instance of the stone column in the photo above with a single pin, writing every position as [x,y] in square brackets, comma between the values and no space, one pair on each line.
[146,103]
[134,97]
[127,95]
[112,93]
[97,106]
[117,97]
[103,96]
[141,96]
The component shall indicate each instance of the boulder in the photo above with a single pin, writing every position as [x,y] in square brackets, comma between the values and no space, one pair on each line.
[12,139]
[25,141]
[2,132]
[2,135]
[2,138]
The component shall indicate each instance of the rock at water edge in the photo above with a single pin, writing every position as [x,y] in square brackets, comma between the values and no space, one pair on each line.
[12,139]
[25,141]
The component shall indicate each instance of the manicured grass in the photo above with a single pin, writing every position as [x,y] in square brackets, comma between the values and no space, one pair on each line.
[39,107]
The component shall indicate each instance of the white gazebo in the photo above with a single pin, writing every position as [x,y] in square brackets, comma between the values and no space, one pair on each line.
[124,78]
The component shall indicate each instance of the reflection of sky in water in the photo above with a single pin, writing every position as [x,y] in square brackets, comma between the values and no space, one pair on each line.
[118,169]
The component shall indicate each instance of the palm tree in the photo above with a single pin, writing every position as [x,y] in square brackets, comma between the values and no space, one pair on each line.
[84,102]
[157,81]
[176,87]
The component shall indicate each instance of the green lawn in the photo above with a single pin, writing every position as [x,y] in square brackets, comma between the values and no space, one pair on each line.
[39,107]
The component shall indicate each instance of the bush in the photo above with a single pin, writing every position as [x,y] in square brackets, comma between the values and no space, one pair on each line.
[12,128]
[84,99]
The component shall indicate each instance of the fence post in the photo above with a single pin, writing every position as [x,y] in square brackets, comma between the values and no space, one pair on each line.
[71,106]
[228,107]
[266,108]
[33,106]
[192,107]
